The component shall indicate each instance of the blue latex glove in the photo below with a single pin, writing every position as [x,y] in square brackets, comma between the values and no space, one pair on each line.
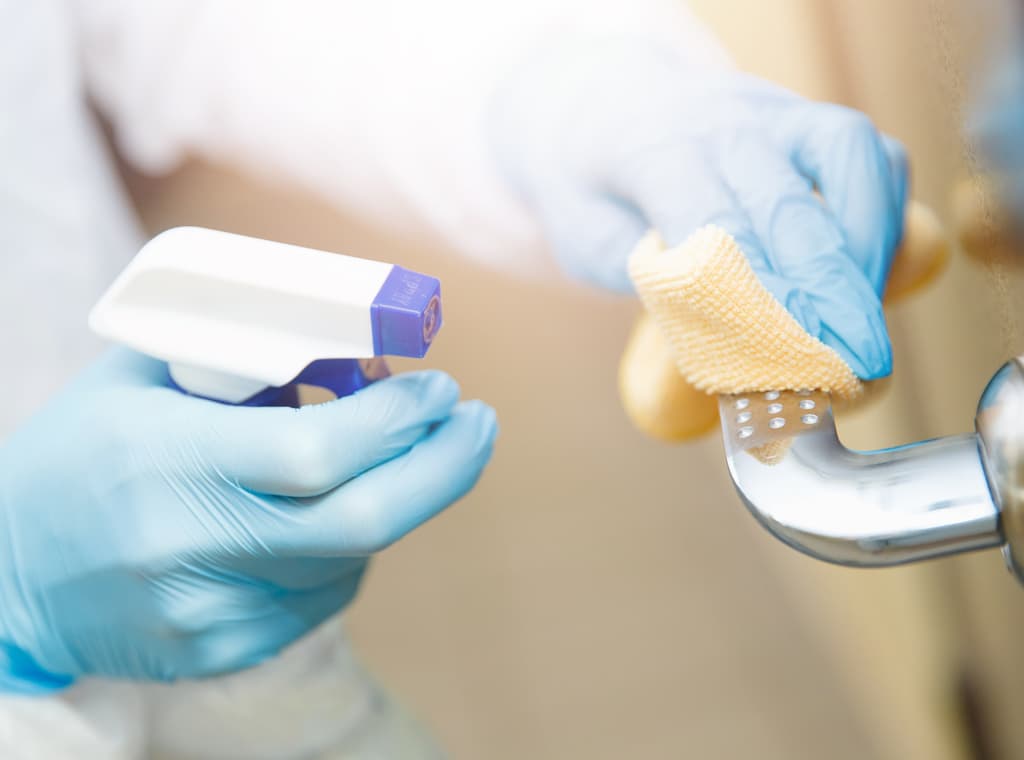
[150,535]
[998,123]
[607,141]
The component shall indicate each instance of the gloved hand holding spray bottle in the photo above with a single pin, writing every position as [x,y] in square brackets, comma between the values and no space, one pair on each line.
[196,535]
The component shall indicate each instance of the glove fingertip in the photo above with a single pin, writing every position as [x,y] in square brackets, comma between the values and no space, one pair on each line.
[485,418]
[869,356]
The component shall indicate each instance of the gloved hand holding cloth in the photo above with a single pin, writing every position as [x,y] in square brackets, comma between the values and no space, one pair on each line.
[611,138]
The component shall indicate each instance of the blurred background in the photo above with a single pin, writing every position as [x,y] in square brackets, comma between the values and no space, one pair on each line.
[600,595]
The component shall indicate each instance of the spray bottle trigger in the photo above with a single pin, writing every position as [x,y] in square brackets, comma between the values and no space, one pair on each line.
[343,377]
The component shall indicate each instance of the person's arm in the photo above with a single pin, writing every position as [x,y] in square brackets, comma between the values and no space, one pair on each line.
[509,128]
[380,106]
[65,231]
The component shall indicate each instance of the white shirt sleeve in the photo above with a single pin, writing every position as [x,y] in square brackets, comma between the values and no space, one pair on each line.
[379,106]
[315,699]
[65,226]
[101,719]
[65,230]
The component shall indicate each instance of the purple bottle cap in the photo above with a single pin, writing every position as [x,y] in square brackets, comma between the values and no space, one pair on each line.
[406,314]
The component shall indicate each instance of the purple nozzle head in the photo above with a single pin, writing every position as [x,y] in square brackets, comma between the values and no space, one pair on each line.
[406,314]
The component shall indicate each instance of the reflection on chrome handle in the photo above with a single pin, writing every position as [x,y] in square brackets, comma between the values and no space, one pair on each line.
[1000,424]
[883,507]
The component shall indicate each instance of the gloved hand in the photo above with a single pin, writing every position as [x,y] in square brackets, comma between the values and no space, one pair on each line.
[606,141]
[147,534]
[997,122]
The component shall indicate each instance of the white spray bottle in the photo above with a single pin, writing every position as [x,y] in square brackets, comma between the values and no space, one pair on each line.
[244,321]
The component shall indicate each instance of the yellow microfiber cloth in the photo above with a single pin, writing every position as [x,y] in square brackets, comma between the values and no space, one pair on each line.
[728,334]
[712,328]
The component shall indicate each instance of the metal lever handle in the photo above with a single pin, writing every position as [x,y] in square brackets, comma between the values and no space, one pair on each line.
[874,508]
[1000,425]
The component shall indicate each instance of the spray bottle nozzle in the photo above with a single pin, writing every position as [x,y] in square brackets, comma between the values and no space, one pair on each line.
[235,316]
[406,314]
